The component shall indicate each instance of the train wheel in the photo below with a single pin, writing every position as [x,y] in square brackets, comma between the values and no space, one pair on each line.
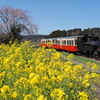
[91,54]
[95,55]
[87,54]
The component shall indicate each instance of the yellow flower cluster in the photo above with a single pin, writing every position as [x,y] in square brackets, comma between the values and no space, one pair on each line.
[83,96]
[70,56]
[49,44]
[41,74]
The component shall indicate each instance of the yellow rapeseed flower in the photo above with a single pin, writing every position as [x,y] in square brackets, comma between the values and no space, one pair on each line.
[49,44]
[57,93]
[56,55]
[41,97]
[94,75]
[94,66]
[2,74]
[69,57]
[28,97]
[5,89]
[14,94]
[83,96]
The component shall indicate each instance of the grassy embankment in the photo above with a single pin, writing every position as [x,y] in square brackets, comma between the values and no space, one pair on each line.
[83,59]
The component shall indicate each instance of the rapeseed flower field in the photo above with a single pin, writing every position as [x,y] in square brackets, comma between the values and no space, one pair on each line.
[41,74]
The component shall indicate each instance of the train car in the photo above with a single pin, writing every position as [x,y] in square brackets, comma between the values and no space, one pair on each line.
[62,43]
[88,46]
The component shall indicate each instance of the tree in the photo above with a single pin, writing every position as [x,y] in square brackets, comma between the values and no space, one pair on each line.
[15,21]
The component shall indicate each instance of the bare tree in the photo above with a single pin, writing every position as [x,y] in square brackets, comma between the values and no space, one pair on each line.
[15,21]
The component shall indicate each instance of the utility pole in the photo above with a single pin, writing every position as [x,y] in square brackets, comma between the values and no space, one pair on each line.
[67,33]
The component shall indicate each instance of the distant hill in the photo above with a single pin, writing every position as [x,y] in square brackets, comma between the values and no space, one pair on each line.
[75,32]
[33,38]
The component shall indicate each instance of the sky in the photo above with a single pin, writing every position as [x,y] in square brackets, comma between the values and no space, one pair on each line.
[52,15]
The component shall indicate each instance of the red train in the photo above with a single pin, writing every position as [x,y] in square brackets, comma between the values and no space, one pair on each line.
[85,45]
[62,43]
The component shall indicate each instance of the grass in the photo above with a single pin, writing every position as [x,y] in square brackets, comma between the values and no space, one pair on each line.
[83,59]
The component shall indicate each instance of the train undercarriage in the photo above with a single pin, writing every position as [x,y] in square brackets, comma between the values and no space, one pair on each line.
[90,54]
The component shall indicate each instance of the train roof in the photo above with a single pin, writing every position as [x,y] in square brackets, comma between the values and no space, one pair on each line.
[62,38]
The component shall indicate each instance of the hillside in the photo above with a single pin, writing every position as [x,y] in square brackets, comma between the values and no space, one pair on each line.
[33,38]
[75,32]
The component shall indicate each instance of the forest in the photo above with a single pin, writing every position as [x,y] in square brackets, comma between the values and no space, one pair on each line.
[75,32]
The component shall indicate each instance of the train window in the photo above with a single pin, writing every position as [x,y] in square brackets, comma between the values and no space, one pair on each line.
[53,41]
[58,42]
[49,40]
[64,42]
[72,42]
[69,42]
[43,41]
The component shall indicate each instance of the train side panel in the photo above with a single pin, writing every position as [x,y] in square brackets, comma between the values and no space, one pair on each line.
[69,48]
[62,47]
